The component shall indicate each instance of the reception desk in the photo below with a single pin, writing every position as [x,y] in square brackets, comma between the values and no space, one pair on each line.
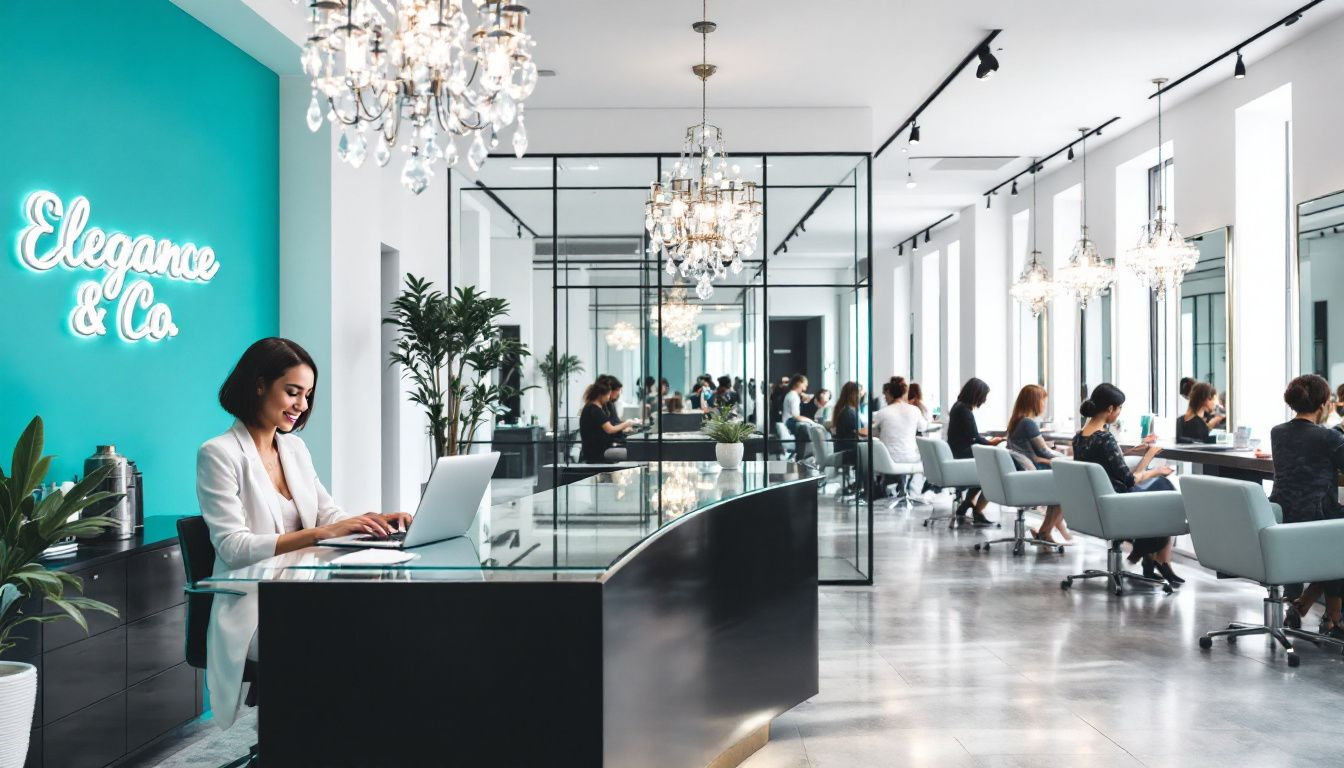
[655,616]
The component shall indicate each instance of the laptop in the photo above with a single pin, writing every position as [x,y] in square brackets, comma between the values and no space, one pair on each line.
[446,509]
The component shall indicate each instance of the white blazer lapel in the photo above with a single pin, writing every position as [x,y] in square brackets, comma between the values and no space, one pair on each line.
[256,475]
[300,484]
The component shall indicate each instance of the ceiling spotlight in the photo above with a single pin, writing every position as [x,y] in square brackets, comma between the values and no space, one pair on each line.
[802,225]
[520,231]
[1292,19]
[914,243]
[909,181]
[988,64]
[1070,153]
[926,235]
[914,133]
[988,201]
[900,249]
[1014,192]
[785,246]
[1239,72]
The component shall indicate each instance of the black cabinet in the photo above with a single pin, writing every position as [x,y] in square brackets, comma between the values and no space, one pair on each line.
[519,450]
[104,694]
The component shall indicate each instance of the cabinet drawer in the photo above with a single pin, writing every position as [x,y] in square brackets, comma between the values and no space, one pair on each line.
[90,738]
[106,583]
[27,639]
[154,582]
[155,643]
[81,673]
[159,704]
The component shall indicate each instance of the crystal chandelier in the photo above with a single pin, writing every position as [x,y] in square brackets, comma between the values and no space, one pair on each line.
[678,492]
[623,337]
[417,73]
[680,319]
[701,215]
[1087,275]
[1033,287]
[1162,257]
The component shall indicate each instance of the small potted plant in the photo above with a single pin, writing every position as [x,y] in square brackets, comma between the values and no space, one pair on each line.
[27,527]
[729,433]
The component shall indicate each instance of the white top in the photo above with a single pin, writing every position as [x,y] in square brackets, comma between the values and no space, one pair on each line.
[896,425]
[289,514]
[792,403]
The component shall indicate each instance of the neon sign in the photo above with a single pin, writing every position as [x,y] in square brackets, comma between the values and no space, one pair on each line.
[138,316]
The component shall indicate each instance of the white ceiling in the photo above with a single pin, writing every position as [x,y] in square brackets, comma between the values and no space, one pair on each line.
[1065,64]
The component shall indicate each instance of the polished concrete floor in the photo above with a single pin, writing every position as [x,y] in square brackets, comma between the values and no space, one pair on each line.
[958,658]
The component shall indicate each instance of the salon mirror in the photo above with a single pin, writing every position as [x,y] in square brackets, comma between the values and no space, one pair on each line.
[1320,273]
[1204,318]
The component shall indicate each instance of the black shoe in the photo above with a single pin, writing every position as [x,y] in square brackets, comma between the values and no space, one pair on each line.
[1292,619]
[1150,569]
[1331,630]
[1169,574]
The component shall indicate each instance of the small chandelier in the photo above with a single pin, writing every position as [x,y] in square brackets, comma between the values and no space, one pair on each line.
[416,72]
[623,337]
[1033,287]
[1087,275]
[680,319]
[1162,256]
[702,216]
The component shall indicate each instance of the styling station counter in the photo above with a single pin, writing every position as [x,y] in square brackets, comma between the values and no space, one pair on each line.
[684,446]
[656,616]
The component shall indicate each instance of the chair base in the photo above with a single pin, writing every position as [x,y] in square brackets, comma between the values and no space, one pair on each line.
[250,760]
[1273,627]
[901,498]
[1115,574]
[1020,538]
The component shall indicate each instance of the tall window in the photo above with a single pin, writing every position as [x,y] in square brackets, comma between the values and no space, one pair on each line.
[931,332]
[953,334]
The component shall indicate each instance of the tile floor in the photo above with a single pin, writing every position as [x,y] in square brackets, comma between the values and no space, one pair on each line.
[957,658]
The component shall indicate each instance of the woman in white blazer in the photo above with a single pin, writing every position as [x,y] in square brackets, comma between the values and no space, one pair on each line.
[261,497]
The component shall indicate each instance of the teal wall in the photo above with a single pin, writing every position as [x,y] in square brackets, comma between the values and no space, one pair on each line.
[169,131]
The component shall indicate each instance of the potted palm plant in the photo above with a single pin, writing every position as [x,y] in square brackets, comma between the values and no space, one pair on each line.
[27,527]
[730,435]
[557,372]
[449,347]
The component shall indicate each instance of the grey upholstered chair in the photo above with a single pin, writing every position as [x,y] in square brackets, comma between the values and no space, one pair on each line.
[945,472]
[826,457]
[785,440]
[884,466]
[1092,506]
[1238,533]
[1004,485]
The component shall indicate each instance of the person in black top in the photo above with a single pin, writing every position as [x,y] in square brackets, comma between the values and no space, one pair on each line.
[845,424]
[962,433]
[777,393]
[723,396]
[1094,443]
[596,430]
[1308,459]
[700,392]
[613,408]
[1339,408]
[1193,425]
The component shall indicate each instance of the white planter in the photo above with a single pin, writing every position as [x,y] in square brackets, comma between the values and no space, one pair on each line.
[18,695]
[729,454]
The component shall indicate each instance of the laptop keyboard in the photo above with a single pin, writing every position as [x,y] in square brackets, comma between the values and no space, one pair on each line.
[395,536]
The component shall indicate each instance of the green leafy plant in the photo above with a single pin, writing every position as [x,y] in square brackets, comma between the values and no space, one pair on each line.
[449,347]
[722,427]
[28,527]
[556,372]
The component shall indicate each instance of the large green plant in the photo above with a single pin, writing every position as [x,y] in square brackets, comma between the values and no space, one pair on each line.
[556,372]
[28,527]
[448,347]
[721,427]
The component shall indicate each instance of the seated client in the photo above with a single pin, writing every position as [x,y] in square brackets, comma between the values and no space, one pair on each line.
[1024,438]
[1193,425]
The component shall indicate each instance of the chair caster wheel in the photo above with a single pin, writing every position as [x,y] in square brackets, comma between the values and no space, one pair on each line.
[1293,660]
[1206,643]
[1231,639]
[978,547]
[998,525]
[1065,584]
[1060,549]
[926,523]
[1119,592]
[1167,588]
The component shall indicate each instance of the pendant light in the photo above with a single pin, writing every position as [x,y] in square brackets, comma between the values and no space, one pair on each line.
[1033,287]
[1087,275]
[1162,256]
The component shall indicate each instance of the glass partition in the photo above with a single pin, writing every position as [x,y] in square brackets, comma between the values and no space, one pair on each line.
[1320,272]
[598,296]
[1204,326]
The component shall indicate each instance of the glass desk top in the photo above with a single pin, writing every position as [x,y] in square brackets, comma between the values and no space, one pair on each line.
[574,531]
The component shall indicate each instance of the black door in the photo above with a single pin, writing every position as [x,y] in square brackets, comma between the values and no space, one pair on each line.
[795,347]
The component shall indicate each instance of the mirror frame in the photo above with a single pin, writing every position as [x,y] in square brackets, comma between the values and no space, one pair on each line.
[1229,305]
[1295,351]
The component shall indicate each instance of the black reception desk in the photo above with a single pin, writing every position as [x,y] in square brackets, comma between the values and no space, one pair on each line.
[656,616]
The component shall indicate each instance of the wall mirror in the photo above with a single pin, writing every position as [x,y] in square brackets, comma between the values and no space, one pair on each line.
[1204,325]
[1320,273]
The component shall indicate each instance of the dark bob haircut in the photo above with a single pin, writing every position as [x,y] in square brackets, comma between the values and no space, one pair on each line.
[1306,394]
[973,393]
[263,362]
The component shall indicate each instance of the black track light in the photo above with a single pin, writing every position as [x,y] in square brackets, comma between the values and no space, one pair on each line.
[926,235]
[802,226]
[1239,71]
[988,202]
[520,231]
[1293,19]
[785,246]
[914,243]
[988,63]
[914,133]
[1014,192]
[900,249]
[1070,153]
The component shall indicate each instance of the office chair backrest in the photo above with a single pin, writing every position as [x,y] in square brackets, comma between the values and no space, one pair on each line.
[198,560]
[782,432]
[1080,484]
[820,445]
[1225,518]
[992,463]
[882,461]
[932,454]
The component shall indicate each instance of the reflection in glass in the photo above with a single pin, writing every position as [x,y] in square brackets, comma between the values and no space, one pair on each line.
[1204,312]
[1320,273]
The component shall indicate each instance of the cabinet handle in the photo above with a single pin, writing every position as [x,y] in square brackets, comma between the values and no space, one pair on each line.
[95,577]
[165,555]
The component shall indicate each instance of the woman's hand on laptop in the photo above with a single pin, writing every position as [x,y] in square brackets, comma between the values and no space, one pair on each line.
[399,521]
[370,523]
